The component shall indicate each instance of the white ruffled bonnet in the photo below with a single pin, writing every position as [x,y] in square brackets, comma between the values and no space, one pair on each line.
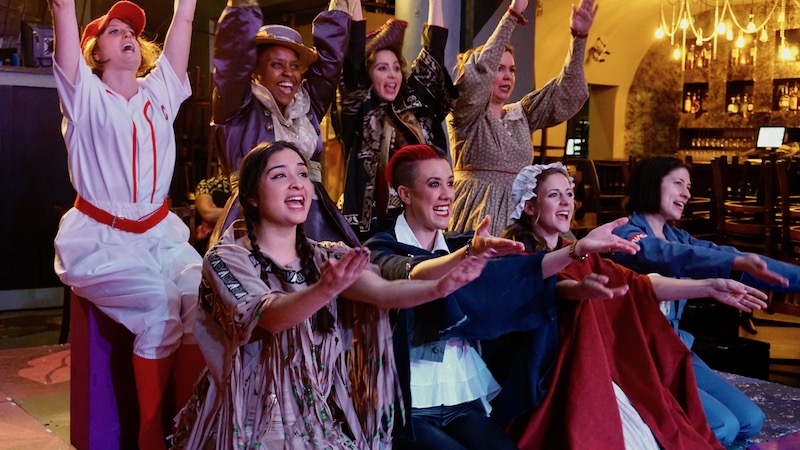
[525,183]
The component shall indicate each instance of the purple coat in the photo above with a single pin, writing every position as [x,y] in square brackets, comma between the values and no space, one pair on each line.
[245,122]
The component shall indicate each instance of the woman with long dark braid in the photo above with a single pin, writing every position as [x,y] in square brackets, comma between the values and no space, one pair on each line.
[281,358]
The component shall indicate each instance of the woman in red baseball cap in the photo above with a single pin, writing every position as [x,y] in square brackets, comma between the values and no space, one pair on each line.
[120,247]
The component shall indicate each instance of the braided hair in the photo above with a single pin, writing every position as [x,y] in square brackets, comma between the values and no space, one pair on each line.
[250,173]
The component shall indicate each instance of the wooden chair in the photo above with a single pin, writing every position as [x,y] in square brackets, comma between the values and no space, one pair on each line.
[587,187]
[790,236]
[745,203]
[612,182]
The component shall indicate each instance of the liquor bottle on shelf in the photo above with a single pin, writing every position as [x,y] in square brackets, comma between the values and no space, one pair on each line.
[793,98]
[753,54]
[735,56]
[783,103]
[695,104]
[733,106]
[690,57]
[700,100]
[750,105]
[700,60]
[687,103]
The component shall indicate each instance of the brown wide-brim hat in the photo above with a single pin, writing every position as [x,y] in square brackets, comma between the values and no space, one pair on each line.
[125,11]
[389,36]
[287,37]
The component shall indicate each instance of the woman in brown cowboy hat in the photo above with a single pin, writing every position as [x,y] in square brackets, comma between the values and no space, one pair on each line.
[269,86]
[383,110]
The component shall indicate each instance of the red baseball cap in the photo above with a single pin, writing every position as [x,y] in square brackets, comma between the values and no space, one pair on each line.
[125,11]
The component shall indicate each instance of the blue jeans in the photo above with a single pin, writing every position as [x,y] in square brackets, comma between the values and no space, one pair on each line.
[730,413]
[459,427]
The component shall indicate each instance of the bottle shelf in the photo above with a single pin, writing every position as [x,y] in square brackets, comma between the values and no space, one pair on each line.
[717,138]
[785,94]
[739,97]
[694,97]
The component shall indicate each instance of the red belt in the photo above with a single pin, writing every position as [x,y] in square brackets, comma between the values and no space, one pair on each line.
[138,226]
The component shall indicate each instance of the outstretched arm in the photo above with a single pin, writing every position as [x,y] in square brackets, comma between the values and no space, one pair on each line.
[757,267]
[179,37]
[592,287]
[434,268]
[371,288]
[729,292]
[67,48]
[599,240]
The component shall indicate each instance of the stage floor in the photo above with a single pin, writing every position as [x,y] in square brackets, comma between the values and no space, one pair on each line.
[34,387]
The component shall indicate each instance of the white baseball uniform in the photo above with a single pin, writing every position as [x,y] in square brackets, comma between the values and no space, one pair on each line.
[121,156]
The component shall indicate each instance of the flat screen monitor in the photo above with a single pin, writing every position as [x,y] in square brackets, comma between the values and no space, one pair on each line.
[770,137]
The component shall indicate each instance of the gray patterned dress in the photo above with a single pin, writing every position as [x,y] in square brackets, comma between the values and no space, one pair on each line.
[488,152]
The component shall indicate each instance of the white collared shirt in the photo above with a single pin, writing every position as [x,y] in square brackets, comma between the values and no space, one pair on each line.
[462,375]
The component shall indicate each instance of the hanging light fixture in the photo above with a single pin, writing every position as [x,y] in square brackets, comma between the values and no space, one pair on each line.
[751,26]
[724,22]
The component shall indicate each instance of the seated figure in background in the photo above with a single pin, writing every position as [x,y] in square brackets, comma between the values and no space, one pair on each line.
[210,197]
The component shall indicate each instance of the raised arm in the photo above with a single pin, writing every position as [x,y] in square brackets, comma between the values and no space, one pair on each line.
[475,80]
[67,48]
[234,57]
[179,37]
[331,31]
[435,16]
[564,95]
[729,292]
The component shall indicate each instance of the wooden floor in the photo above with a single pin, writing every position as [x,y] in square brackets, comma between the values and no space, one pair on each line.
[34,377]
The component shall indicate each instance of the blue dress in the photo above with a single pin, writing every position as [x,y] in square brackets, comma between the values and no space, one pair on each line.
[729,412]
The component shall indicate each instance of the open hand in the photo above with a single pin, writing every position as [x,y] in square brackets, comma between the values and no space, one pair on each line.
[338,275]
[466,271]
[736,294]
[583,16]
[757,267]
[602,240]
[594,287]
[484,241]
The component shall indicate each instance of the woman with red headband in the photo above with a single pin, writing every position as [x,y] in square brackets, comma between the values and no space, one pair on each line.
[119,247]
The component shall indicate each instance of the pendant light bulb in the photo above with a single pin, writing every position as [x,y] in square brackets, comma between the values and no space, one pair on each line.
[721,28]
[764,37]
[751,26]
[684,24]
[660,33]
[676,54]
[740,40]
[729,35]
